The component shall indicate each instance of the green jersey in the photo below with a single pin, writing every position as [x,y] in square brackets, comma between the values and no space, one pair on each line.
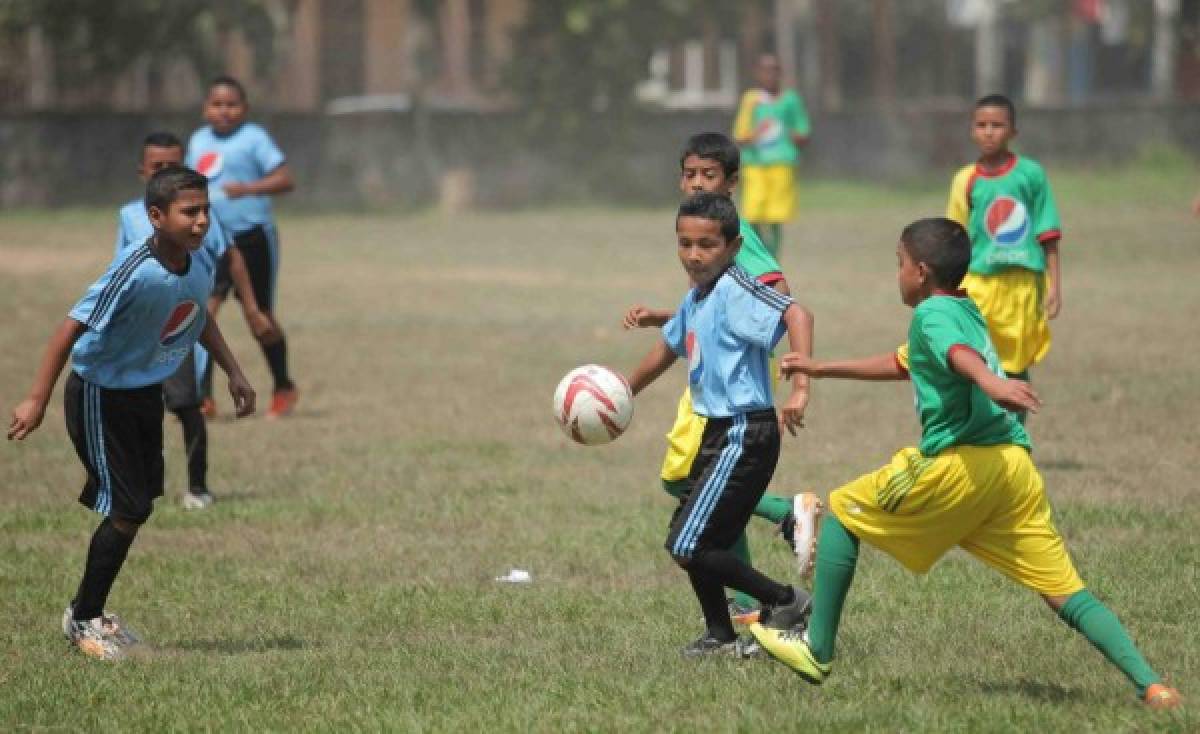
[754,257]
[954,410]
[770,121]
[1009,214]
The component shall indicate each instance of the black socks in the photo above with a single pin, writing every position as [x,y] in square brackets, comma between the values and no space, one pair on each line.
[276,355]
[106,554]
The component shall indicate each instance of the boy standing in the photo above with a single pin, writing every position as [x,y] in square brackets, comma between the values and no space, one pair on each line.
[970,482]
[128,333]
[726,327]
[771,125]
[181,391]
[245,168]
[1005,203]
[710,163]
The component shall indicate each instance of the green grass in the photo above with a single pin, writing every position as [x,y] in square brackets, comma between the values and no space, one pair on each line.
[344,579]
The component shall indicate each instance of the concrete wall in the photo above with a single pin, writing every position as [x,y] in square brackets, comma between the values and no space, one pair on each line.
[379,159]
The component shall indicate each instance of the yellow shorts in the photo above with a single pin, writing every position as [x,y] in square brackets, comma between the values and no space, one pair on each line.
[768,194]
[1013,303]
[683,440]
[987,499]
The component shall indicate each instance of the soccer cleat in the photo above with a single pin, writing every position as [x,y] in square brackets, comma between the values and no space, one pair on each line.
[208,408]
[283,402]
[747,647]
[1162,697]
[806,514]
[790,647]
[707,645]
[743,614]
[787,616]
[92,638]
[110,624]
[198,499]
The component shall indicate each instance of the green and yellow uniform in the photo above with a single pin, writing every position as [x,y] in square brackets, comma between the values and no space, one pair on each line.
[769,162]
[1009,214]
[971,481]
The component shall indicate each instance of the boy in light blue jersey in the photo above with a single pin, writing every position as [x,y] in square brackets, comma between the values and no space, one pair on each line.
[129,332]
[181,391]
[726,327]
[245,168]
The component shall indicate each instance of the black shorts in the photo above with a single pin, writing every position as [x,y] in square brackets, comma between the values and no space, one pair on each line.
[260,250]
[118,436]
[729,476]
[182,389]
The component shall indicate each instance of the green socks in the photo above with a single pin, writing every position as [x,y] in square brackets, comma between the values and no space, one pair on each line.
[837,555]
[773,507]
[1088,616]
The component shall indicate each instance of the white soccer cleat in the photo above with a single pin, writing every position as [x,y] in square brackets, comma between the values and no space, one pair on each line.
[806,509]
[197,500]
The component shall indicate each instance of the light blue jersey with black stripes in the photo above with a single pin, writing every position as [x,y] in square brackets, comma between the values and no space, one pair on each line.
[726,336]
[141,320]
[134,228]
[244,155]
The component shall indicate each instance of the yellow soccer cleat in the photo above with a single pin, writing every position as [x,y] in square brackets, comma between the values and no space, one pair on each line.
[1162,697]
[790,648]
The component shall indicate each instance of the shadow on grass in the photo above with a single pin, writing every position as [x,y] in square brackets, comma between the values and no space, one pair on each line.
[1034,690]
[1062,465]
[239,647]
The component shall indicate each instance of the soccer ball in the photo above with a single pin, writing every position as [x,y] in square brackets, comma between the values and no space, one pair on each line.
[593,404]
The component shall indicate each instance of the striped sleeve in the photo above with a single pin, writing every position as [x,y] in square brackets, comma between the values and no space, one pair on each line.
[105,297]
[754,311]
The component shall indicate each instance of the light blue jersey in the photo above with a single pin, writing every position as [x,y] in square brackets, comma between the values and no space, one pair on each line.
[134,228]
[246,154]
[141,320]
[727,337]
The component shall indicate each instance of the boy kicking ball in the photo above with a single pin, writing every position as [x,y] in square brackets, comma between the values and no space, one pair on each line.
[129,333]
[970,482]
[726,327]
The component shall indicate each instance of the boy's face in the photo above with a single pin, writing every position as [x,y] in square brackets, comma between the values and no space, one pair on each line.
[911,276]
[704,174]
[703,250]
[155,159]
[768,73]
[185,221]
[991,130]
[224,109]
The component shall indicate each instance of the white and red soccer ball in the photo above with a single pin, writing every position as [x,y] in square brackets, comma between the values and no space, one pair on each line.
[593,404]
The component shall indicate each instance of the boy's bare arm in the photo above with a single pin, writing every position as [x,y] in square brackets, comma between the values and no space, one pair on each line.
[278,181]
[642,316]
[877,368]
[1009,394]
[260,324]
[27,416]
[656,362]
[239,387]
[1054,297]
[799,323]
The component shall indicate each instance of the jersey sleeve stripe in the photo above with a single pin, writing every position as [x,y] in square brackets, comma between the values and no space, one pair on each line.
[766,294]
[109,295]
[1050,235]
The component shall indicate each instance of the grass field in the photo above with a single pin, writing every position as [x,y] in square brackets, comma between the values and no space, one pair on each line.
[344,580]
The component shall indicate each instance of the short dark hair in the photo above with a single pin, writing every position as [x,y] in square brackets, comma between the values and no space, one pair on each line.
[713,147]
[227,81]
[942,245]
[164,186]
[162,139]
[717,207]
[999,100]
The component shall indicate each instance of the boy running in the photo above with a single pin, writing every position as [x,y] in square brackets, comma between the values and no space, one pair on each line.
[245,168]
[710,163]
[771,125]
[970,482]
[128,333]
[1005,203]
[726,327]
[181,391]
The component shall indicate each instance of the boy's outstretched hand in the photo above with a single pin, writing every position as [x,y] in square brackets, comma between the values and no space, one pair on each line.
[793,362]
[242,394]
[791,416]
[26,417]
[640,317]
[1015,395]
